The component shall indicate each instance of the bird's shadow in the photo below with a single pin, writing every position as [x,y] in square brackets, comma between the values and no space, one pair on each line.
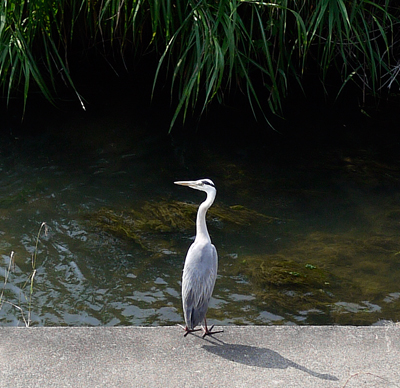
[260,357]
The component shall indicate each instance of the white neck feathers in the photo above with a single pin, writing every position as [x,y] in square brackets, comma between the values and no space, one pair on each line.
[201,225]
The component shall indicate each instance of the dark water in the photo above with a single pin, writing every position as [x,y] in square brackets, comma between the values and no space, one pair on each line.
[318,244]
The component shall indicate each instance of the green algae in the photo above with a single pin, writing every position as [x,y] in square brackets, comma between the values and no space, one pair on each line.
[334,278]
[287,285]
[148,225]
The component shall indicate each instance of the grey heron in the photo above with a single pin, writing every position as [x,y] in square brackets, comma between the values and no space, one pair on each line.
[201,264]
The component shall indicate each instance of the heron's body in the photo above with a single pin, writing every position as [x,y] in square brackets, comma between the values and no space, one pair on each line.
[201,264]
[198,282]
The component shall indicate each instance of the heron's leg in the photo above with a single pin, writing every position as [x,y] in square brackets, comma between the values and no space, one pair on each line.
[187,330]
[208,331]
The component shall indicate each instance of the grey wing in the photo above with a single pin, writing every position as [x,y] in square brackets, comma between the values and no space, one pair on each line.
[199,275]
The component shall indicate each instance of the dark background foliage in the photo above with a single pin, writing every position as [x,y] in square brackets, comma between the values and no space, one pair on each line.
[268,59]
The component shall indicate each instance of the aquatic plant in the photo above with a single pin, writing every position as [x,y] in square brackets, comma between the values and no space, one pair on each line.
[328,278]
[28,284]
[6,276]
[147,225]
[210,49]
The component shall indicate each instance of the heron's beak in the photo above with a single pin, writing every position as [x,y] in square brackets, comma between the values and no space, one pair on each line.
[185,183]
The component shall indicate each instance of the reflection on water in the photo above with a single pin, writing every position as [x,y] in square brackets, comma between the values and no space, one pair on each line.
[320,245]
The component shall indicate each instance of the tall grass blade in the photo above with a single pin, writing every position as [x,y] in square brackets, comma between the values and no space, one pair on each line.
[207,48]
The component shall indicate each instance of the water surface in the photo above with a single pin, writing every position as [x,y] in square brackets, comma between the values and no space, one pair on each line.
[321,244]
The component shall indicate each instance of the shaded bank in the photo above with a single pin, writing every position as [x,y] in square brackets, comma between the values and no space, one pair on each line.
[202,51]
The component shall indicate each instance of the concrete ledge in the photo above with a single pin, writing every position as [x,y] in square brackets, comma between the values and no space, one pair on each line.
[251,356]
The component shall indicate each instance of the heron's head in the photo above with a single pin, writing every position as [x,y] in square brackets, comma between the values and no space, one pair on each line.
[206,185]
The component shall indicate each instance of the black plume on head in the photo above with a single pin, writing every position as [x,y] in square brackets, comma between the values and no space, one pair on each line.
[208,183]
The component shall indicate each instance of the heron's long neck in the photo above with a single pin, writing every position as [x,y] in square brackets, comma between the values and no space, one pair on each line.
[201,225]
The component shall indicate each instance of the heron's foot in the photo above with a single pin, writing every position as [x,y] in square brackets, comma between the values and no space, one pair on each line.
[208,331]
[187,330]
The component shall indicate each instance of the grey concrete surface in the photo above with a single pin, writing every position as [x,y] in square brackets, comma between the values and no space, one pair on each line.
[251,356]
